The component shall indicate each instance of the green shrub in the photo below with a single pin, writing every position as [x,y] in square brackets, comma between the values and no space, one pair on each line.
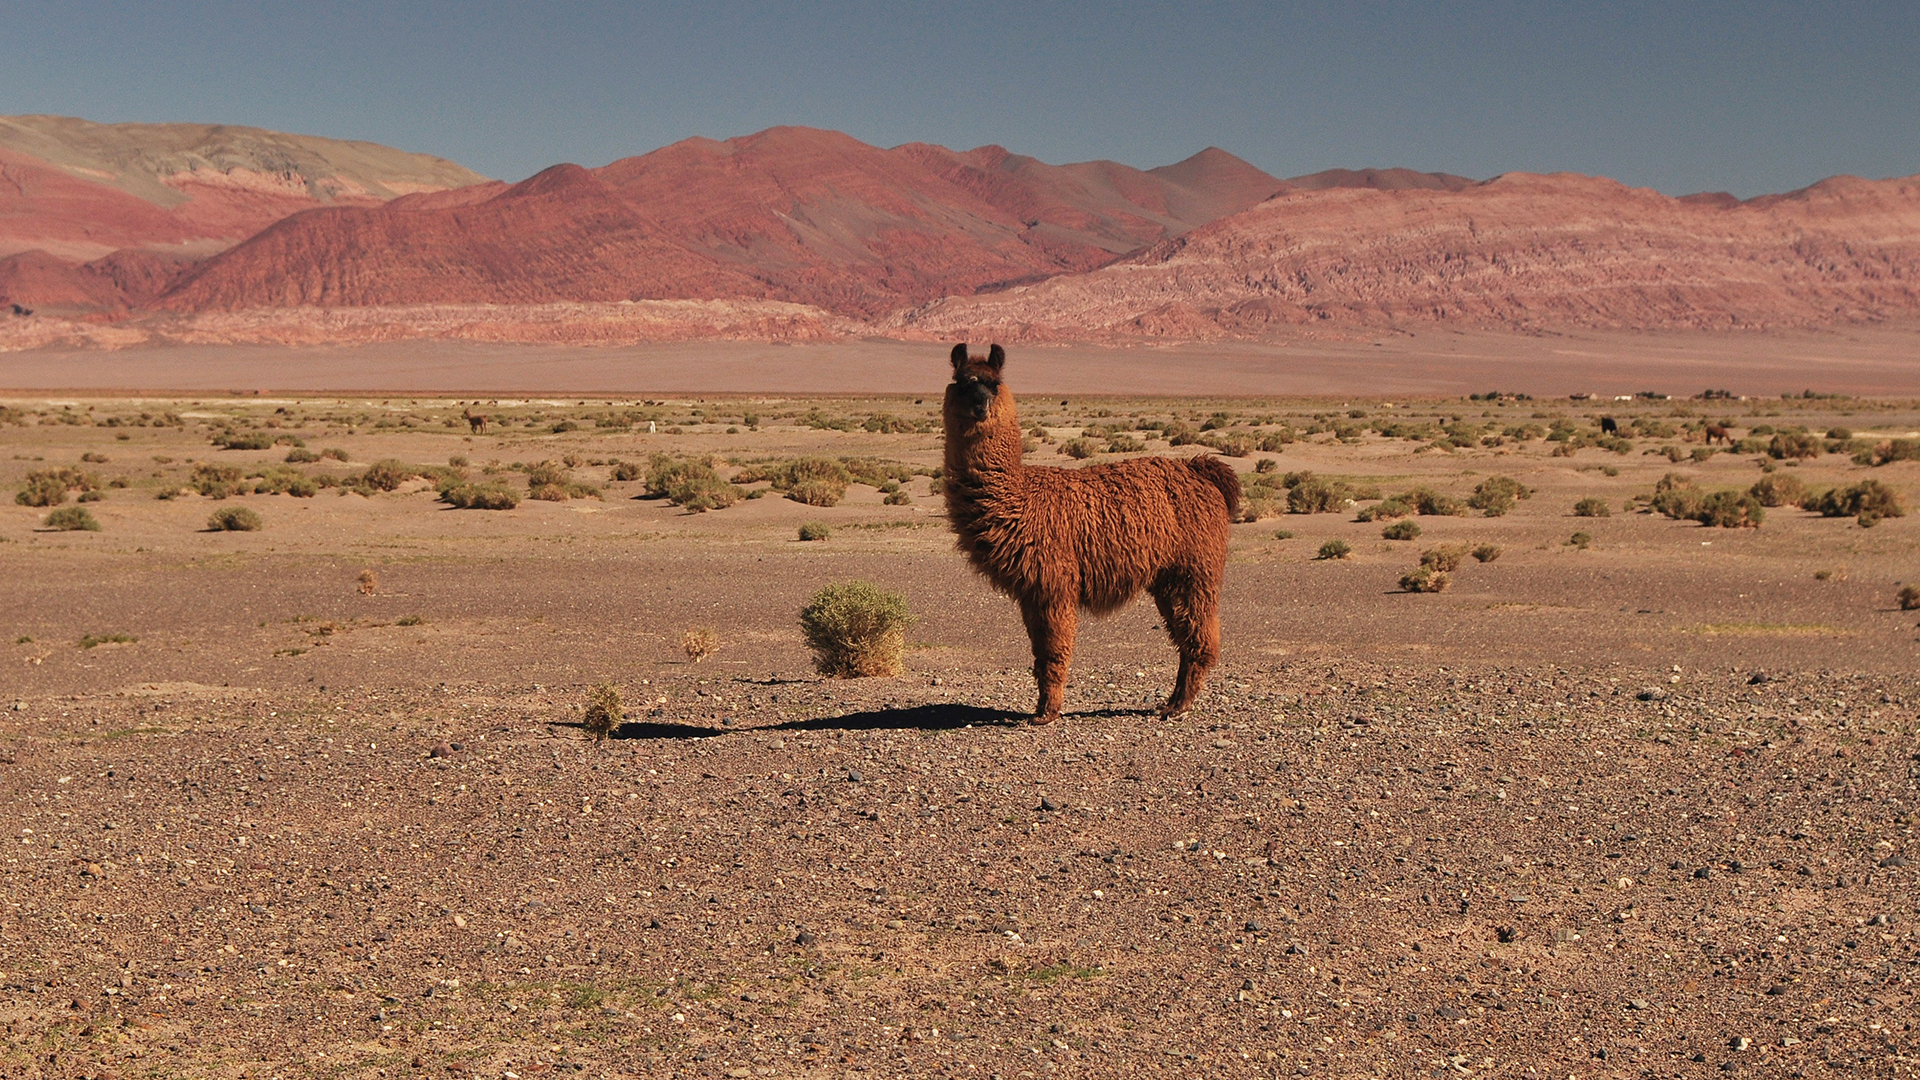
[283,481]
[1080,449]
[1487,552]
[1890,451]
[1793,444]
[1334,549]
[71,519]
[233,519]
[1591,506]
[335,453]
[1401,530]
[1444,559]
[815,530]
[385,475]
[1495,495]
[49,487]
[856,629]
[91,641]
[300,455]
[1429,502]
[1778,489]
[1386,510]
[1868,498]
[1313,495]
[1231,445]
[248,440]
[1124,444]
[897,498]
[1283,534]
[485,496]
[695,485]
[215,481]
[1426,580]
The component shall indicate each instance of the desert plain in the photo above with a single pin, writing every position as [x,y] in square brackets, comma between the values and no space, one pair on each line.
[1633,796]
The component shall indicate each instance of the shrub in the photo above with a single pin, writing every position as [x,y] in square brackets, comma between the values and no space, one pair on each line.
[1730,510]
[1487,552]
[897,498]
[1255,505]
[1445,559]
[1386,509]
[815,530]
[856,629]
[300,455]
[410,620]
[1793,444]
[691,484]
[1495,495]
[699,642]
[1426,579]
[71,519]
[233,519]
[215,481]
[1580,540]
[1591,506]
[335,453]
[1868,498]
[282,481]
[1080,449]
[91,641]
[1908,597]
[1232,445]
[1676,497]
[1401,530]
[553,481]
[1266,465]
[604,712]
[1283,534]
[1313,495]
[815,481]
[385,475]
[1778,489]
[369,582]
[488,496]
[1430,503]
[1334,549]
[1890,451]
[251,440]
[1124,444]
[49,487]
[624,471]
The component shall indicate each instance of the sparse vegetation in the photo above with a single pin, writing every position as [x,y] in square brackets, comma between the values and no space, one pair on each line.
[1908,597]
[1867,501]
[1334,549]
[1445,558]
[1426,580]
[1283,534]
[1580,541]
[369,582]
[49,487]
[95,640]
[553,481]
[71,519]
[233,519]
[1778,489]
[1496,495]
[410,620]
[1401,530]
[482,496]
[1591,506]
[216,481]
[856,629]
[604,712]
[1487,552]
[699,642]
[695,485]
[1080,448]
[815,530]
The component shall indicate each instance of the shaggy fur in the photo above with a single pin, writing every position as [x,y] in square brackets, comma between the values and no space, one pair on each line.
[1717,433]
[1058,540]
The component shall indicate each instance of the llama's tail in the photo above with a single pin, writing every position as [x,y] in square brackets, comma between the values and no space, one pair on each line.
[1222,476]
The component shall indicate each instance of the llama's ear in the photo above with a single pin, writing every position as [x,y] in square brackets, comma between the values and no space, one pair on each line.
[996,358]
[959,355]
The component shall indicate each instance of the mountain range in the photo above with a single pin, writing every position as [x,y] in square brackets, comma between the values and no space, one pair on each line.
[196,232]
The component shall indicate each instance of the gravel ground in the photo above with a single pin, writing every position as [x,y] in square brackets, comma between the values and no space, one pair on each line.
[1330,869]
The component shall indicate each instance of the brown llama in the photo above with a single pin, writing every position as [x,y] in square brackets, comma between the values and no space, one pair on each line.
[476,421]
[1058,540]
[1719,433]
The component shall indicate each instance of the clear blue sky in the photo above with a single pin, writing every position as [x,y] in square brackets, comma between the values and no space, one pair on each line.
[1746,97]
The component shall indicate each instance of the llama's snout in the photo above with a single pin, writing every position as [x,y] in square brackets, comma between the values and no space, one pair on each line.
[976,398]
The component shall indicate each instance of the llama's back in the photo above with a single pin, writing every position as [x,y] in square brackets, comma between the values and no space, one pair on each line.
[1120,525]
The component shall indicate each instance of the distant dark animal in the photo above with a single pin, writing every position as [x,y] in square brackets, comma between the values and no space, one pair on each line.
[474,420]
[1059,540]
[1719,433]
[1608,426]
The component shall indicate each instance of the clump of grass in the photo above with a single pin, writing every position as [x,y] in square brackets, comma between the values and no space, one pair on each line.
[486,496]
[1890,451]
[1495,495]
[552,481]
[385,475]
[1445,558]
[71,519]
[410,620]
[1868,501]
[897,498]
[695,485]
[94,640]
[216,481]
[1312,495]
[233,519]
[699,642]
[814,481]
[1386,510]
[1401,530]
[1677,497]
[1080,449]
[1794,445]
[1839,574]
[1580,541]
[335,453]
[49,487]
[283,481]
[1487,552]
[815,530]
[624,471]
[1334,549]
[1591,506]
[856,629]
[300,455]
[603,713]
[1266,465]
[1426,580]
[1283,534]
[1778,489]
[369,582]
[1908,597]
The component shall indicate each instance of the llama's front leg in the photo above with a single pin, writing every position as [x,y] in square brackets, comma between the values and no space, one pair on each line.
[1051,627]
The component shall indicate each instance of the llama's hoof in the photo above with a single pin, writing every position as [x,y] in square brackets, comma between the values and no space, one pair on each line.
[1174,712]
[1043,719]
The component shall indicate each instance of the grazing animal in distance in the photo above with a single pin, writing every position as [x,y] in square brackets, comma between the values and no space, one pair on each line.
[1608,426]
[476,421]
[1719,433]
[1059,540]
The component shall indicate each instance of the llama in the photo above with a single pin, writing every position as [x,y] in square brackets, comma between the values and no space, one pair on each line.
[1609,426]
[476,421]
[1718,433]
[1058,540]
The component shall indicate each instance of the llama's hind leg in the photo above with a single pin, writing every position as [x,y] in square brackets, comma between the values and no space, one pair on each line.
[1192,616]
[1051,627]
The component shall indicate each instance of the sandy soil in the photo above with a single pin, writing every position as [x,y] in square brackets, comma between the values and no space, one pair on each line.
[1851,360]
[1640,808]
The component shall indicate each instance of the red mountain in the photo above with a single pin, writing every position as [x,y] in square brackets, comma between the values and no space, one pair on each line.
[795,214]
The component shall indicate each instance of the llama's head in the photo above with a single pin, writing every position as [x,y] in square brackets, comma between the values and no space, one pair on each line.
[976,393]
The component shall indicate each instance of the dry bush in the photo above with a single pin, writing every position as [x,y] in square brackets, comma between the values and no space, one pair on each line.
[1908,597]
[1312,495]
[1446,558]
[1426,580]
[385,475]
[487,496]
[1124,444]
[1080,449]
[1401,530]
[604,712]
[300,455]
[897,498]
[856,629]
[1580,540]
[553,481]
[335,453]
[369,582]
[1591,506]
[815,530]
[1889,451]
[1266,465]
[1778,489]
[814,481]
[49,487]
[695,485]
[1487,552]
[215,481]
[1793,444]
[233,519]
[1334,549]
[1387,510]
[624,471]
[1868,500]
[1495,495]
[71,519]
[699,642]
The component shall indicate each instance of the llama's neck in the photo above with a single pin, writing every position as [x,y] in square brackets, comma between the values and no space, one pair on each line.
[986,455]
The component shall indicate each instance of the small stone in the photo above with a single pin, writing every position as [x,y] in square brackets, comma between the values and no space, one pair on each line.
[1703,873]
[1652,693]
[1776,989]
[1880,920]
[1294,950]
[1254,927]
[1894,860]
[1739,1042]
[806,937]
[1246,984]
[1049,805]
[854,777]
[1448,1012]
[1639,1005]
[441,749]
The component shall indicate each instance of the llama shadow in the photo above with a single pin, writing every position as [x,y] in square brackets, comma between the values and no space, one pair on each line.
[933,717]
[655,729]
